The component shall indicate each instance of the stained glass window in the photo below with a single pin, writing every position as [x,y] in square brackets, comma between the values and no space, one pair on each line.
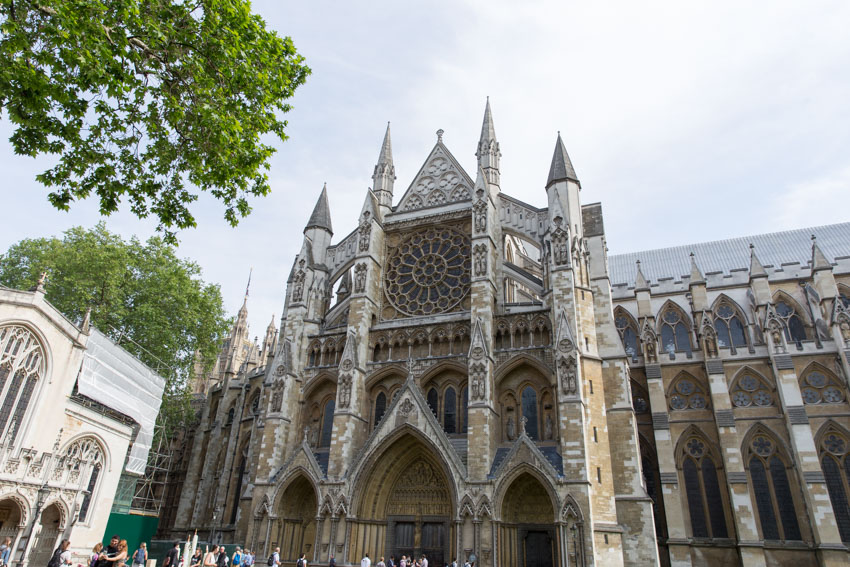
[327,423]
[730,329]
[795,331]
[529,411]
[751,391]
[835,462]
[702,488]
[819,387]
[675,336]
[380,407]
[450,411]
[772,489]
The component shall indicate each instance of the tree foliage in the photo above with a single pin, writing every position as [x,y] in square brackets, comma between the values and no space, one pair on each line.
[142,296]
[146,100]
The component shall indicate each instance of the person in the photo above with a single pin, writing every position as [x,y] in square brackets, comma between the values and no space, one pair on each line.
[61,556]
[222,559]
[172,558]
[5,551]
[122,554]
[197,558]
[111,550]
[140,557]
[391,562]
[274,560]
[249,559]
[466,563]
[365,562]
[424,561]
[302,561]
[403,561]
[237,557]
[332,561]
[209,558]
[454,562]
[95,554]
[381,563]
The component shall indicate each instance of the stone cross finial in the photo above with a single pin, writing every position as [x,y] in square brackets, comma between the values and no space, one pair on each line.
[440,135]
[43,279]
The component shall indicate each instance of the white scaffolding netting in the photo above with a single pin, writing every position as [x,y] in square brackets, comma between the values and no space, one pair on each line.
[117,379]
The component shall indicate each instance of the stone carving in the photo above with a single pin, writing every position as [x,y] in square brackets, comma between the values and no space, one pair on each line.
[365,232]
[344,391]
[560,243]
[710,343]
[567,372]
[277,400]
[511,428]
[565,345]
[478,375]
[406,407]
[280,370]
[775,332]
[360,278]
[844,326]
[298,290]
[480,261]
[548,428]
[522,423]
[480,213]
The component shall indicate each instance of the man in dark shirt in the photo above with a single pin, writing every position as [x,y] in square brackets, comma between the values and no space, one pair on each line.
[110,550]
[172,559]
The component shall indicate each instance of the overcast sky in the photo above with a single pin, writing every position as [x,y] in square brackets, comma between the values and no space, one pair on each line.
[689,121]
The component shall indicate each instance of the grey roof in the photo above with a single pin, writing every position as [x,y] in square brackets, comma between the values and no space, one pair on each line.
[321,216]
[773,249]
[562,167]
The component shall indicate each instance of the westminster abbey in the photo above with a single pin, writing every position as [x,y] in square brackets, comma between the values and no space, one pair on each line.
[467,376]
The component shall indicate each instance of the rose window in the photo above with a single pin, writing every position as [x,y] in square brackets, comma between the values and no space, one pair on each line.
[687,394]
[751,391]
[819,388]
[429,272]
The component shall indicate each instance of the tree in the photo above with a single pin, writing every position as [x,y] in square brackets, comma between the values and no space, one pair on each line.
[142,296]
[147,100]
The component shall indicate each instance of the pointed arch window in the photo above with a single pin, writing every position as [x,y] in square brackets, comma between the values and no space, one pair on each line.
[450,411]
[652,479]
[628,332]
[231,414]
[86,456]
[529,411]
[327,423]
[687,394]
[835,462]
[820,387]
[795,330]
[675,336]
[22,365]
[750,390]
[774,501]
[844,296]
[640,398]
[433,401]
[729,326]
[702,487]
[380,407]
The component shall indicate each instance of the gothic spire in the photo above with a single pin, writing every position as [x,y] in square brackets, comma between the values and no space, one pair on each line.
[819,261]
[696,273]
[384,175]
[488,148]
[756,268]
[561,168]
[640,279]
[321,217]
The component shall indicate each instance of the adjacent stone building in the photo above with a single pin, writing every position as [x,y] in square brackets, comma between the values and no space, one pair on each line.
[77,413]
[467,375]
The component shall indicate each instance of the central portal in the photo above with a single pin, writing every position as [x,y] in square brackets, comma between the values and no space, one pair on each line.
[408,491]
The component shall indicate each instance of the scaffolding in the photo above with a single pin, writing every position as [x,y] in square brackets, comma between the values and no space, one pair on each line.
[150,488]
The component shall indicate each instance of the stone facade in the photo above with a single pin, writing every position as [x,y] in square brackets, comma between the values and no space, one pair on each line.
[468,375]
[61,453]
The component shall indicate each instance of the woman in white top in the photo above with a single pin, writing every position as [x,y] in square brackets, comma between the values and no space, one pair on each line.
[210,557]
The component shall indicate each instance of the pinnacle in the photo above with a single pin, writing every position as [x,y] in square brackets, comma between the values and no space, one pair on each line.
[696,273]
[561,168]
[756,267]
[640,279]
[819,260]
[488,132]
[386,156]
[321,217]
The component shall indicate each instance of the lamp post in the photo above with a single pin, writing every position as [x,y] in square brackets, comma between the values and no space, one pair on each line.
[41,500]
[216,514]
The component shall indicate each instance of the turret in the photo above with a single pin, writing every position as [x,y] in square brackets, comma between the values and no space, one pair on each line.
[562,188]
[384,175]
[318,230]
[269,341]
[488,153]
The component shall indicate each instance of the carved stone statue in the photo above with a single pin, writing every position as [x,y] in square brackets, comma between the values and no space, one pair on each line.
[548,432]
[649,350]
[844,326]
[344,391]
[360,278]
[710,344]
[480,216]
[298,292]
[511,428]
[480,260]
[365,231]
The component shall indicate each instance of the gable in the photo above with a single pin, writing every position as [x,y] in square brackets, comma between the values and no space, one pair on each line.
[440,180]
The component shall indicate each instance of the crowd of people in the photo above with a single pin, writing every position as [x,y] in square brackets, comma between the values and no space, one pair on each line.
[115,555]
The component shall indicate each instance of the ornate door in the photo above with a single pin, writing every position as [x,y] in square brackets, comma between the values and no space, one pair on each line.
[538,549]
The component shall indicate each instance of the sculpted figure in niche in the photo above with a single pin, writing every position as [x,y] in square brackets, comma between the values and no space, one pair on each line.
[649,350]
[365,232]
[344,391]
[511,428]
[567,369]
[776,336]
[480,260]
[298,292]
[559,245]
[360,278]
[480,216]
[710,344]
[845,332]
[548,429]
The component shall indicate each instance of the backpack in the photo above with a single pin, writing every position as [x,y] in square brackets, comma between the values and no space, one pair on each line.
[271,560]
[299,563]
[56,559]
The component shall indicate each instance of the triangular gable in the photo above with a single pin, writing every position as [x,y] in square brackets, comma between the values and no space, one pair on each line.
[410,408]
[303,456]
[440,180]
[526,451]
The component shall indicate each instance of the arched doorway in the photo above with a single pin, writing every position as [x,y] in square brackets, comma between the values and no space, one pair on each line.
[11,522]
[296,521]
[527,531]
[47,537]
[406,505]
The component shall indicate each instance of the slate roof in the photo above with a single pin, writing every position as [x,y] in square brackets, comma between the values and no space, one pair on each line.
[551,453]
[773,249]
[323,458]
[562,167]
